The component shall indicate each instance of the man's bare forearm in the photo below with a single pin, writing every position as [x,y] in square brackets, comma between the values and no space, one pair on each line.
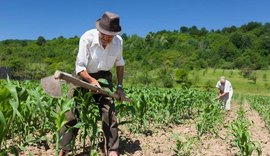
[120,73]
[223,94]
[84,74]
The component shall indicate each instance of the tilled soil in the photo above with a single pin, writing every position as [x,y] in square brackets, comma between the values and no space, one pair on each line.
[161,142]
[259,131]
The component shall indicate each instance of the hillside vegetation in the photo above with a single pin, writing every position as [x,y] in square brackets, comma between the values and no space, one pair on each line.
[163,58]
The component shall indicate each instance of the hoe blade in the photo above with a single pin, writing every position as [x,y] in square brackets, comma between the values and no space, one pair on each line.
[51,86]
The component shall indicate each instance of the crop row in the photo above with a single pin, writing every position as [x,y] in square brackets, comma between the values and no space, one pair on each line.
[262,105]
[27,114]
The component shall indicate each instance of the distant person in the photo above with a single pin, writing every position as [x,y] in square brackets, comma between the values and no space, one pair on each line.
[225,92]
[99,50]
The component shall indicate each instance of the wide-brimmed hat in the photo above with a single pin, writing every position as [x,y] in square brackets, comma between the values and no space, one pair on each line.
[109,24]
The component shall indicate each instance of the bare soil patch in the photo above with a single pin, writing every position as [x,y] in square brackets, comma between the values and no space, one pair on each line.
[161,142]
[259,131]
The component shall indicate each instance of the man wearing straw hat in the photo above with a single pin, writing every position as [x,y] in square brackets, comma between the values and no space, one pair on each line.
[225,92]
[99,50]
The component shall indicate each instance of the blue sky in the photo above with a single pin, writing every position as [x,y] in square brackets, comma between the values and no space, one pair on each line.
[29,19]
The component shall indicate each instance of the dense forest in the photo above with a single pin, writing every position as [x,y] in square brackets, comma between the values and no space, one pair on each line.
[163,54]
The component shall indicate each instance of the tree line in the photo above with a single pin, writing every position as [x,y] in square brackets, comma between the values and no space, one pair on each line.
[165,52]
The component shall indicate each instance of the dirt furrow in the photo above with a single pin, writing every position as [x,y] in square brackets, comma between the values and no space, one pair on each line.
[160,143]
[258,130]
[219,145]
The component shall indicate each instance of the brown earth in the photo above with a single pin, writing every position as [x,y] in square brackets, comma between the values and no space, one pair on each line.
[161,142]
[259,131]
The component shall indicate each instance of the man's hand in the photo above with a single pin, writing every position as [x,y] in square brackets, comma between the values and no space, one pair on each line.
[94,82]
[89,79]
[121,94]
[219,96]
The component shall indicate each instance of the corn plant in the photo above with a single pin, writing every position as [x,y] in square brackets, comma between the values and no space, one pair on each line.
[262,105]
[183,148]
[12,97]
[64,105]
[89,117]
[27,112]
[241,135]
[157,108]
[19,115]
[3,129]
[210,119]
[4,94]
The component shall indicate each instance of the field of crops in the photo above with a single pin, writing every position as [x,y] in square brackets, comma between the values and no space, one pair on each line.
[30,119]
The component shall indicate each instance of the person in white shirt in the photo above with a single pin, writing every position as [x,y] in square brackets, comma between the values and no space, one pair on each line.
[225,92]
[99,50]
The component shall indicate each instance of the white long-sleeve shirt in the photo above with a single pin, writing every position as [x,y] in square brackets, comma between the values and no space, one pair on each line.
[92,57]
[227,88]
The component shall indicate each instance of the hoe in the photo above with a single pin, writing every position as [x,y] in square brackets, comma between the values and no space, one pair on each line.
[52,85]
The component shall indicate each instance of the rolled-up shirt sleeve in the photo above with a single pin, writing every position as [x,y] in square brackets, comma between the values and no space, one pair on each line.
[120,60]
[82,56]
[227,87]
[218,85]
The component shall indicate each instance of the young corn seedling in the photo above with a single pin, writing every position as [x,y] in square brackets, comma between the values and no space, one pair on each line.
[60,118]
[183,148]
[209,119]
[241,135]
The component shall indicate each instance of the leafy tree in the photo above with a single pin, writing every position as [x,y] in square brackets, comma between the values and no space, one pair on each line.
[23,43]
[265,44]
[41,41]
[247,46]
[194,31]
[165,76]
[124,36]
[250,26]
[203,32]
[184,29]
[149,38]
[182,77]
[240,40]
[226,51]
[229,29]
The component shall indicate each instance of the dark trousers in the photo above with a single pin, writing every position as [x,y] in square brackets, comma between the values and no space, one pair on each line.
[107,111]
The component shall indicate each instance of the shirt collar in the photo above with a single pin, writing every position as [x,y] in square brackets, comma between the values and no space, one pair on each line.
[96,39]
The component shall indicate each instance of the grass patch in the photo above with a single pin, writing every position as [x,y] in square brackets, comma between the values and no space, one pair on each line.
[207,79]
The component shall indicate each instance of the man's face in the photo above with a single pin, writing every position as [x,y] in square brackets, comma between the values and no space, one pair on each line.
[105,39]
[222,81]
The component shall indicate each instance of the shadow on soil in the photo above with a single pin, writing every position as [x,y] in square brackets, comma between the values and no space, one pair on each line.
[129,146]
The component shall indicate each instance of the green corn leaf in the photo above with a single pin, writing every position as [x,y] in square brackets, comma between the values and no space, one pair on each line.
[13,92]
[62,124]
[4,94]
[14,105]
[103,81]
[2,120]
[80,124]
[36,95]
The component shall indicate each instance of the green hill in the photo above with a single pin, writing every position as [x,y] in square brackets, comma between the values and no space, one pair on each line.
[163,58]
